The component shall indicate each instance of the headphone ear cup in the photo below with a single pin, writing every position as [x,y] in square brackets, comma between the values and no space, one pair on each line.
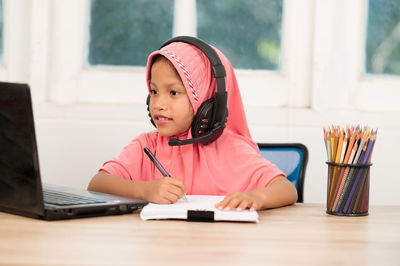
[148,109]
[202,122]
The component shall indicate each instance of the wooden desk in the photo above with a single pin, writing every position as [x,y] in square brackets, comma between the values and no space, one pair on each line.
[299,234]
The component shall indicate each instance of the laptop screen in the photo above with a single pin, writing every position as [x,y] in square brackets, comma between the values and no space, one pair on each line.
[20,184]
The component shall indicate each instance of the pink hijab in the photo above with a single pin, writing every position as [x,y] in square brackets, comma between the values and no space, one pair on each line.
[229,164]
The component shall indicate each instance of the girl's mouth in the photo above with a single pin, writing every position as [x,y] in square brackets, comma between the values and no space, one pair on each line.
[161,120]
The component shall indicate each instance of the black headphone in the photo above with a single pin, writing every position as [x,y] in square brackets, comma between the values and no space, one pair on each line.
[209,121]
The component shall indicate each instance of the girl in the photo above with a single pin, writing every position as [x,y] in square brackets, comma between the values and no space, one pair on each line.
[180,79]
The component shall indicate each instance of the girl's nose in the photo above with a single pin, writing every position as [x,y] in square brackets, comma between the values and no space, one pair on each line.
[159,102]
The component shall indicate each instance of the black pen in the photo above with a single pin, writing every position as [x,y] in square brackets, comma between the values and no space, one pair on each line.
[158,165]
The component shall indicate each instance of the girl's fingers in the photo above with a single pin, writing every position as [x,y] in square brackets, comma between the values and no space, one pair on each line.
[240,201]
[178,183]
[221,205]
[175,190]
[232,204]
[243,205]
[171,184]
[171,197]
[227,202]
[254,207]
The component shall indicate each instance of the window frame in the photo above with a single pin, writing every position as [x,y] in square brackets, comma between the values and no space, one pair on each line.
[15,41]
[352,88]
[310,71]
[72,81]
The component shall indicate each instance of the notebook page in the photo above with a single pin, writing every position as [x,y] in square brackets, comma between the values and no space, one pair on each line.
[179,209]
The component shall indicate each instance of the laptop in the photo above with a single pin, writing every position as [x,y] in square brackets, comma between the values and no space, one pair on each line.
[21,189]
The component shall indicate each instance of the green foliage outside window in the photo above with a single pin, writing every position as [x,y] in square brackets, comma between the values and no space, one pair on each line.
[383,37]
[248,32]
[124,32]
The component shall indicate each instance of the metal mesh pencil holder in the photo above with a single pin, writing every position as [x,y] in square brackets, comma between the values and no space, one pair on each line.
[348,189]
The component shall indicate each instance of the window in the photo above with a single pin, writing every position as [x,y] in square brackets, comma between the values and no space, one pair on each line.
[345,41]
[295,54]
[125,32]
[383,37]
[272,65]
[255,40]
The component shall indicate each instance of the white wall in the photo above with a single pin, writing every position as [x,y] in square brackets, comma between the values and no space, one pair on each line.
[75,137]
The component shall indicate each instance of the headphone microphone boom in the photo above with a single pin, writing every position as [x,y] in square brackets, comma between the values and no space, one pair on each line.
[211,117]
[204,139]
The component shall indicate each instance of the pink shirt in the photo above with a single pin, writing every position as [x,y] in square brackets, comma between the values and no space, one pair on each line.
[218,176]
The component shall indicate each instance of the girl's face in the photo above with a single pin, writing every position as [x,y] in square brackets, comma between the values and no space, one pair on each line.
[170,106]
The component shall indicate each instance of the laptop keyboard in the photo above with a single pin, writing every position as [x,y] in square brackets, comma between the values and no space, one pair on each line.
[64,199]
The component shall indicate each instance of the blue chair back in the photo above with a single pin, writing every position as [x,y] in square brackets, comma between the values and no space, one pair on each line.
[291,158]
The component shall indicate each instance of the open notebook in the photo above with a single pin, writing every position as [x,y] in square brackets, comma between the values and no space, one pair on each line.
[197,208]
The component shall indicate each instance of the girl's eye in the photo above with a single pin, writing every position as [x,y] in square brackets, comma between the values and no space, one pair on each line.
[153,92]
[174,93]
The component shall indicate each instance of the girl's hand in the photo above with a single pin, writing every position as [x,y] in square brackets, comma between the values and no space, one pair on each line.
[165,190]
[241,200]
